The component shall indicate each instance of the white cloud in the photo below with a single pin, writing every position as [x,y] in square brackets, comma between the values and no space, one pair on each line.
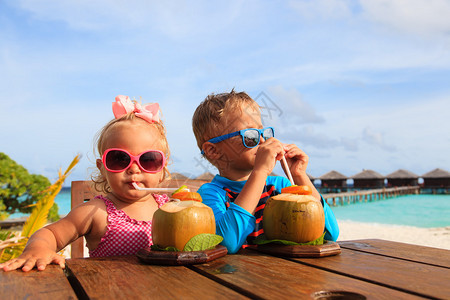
[376,138]
[176,19]
[294,108]
[422,17]
[324,10]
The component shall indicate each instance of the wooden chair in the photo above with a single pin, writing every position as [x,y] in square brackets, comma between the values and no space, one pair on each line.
[81,191]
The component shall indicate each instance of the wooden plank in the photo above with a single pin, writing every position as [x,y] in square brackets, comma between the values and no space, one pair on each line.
[418,278]
[12,223]
[127,278]
[269,277]
[428,255]
[48,284]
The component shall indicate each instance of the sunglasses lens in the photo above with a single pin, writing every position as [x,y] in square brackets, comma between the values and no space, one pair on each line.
[251,138]
[268,133]
[117,160]
[151,161]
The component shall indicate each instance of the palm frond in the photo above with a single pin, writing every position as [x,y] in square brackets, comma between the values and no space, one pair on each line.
[39,214]
[11,243]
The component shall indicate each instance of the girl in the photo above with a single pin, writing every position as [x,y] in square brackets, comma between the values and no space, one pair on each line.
[133,149]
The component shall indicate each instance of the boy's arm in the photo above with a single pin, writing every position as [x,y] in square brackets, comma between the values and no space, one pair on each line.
[233,224]
[331,225]
[266,157]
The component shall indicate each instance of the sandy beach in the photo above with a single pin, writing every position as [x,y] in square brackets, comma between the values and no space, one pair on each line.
[431,237]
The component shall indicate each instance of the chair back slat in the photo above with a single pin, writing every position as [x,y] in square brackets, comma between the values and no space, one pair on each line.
[81,191]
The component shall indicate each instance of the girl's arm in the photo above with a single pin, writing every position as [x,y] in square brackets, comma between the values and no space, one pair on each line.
[42,247]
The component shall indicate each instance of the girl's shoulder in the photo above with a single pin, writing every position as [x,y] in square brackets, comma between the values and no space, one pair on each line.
[92,207]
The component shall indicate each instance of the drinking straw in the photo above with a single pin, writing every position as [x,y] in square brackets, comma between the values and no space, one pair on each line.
[288,172]
[156,189]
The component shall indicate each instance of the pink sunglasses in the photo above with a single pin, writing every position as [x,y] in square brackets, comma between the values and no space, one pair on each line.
[118,160]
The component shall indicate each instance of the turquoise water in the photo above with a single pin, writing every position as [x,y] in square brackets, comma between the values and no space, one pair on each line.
[424,211]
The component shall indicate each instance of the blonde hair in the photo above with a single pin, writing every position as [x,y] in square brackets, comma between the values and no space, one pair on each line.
[100,182]
[211,116]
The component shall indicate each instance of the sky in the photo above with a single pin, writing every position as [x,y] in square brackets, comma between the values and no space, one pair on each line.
[356,84]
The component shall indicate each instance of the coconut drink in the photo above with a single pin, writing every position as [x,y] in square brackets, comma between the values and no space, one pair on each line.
[177,222]
[293,217]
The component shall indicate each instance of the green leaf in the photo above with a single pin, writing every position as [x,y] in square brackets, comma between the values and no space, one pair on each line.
[158,248]
[261,240]
[203,241]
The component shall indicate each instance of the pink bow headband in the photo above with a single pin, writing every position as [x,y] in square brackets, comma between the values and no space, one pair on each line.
[124,105]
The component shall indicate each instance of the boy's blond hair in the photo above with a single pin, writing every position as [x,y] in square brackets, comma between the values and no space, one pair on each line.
[100,183]
[211,116]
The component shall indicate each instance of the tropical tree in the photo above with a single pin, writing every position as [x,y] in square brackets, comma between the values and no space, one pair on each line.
[19,190]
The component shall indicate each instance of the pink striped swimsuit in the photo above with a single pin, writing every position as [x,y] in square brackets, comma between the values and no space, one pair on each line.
[124,236]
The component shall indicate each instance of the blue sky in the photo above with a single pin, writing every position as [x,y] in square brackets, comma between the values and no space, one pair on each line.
[355,84]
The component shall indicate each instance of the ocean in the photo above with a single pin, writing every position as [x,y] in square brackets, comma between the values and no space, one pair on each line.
[424,211]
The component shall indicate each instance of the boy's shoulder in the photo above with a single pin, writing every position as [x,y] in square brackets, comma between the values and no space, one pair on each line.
[217,183]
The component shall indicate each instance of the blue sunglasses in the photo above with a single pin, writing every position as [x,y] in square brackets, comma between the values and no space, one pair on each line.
[250,136]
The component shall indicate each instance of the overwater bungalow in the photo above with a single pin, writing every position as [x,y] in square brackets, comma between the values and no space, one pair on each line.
[333,179]
[402,177]
[368,179]
[437,178]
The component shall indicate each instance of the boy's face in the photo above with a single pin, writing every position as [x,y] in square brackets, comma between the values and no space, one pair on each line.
[235,156]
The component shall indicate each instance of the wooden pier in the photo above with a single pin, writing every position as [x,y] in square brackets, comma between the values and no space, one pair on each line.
[368,195]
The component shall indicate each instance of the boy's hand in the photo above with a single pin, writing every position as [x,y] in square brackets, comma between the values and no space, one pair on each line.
[39,257]
[268,154]
[297,160]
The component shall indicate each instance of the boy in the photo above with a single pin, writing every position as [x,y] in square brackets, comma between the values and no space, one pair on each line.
[230,135]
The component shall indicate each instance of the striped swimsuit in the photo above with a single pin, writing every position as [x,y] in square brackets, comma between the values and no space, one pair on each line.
[269,191]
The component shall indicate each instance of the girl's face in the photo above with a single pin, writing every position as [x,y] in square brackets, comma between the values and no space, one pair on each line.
[135,136]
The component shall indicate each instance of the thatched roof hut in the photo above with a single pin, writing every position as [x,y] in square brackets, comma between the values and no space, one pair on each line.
[368,179]
[437,178]
[333,179]
[402,177]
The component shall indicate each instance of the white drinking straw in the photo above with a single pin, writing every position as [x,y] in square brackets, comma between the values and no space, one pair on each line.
[156,189]
[288,172]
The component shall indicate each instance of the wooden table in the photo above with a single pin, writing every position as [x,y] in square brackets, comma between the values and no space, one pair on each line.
[376,269]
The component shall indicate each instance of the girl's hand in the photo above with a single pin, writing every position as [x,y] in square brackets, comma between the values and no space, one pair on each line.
[297,160]
[39,257]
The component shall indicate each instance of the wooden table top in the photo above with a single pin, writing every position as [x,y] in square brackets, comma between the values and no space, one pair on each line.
[375,269]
